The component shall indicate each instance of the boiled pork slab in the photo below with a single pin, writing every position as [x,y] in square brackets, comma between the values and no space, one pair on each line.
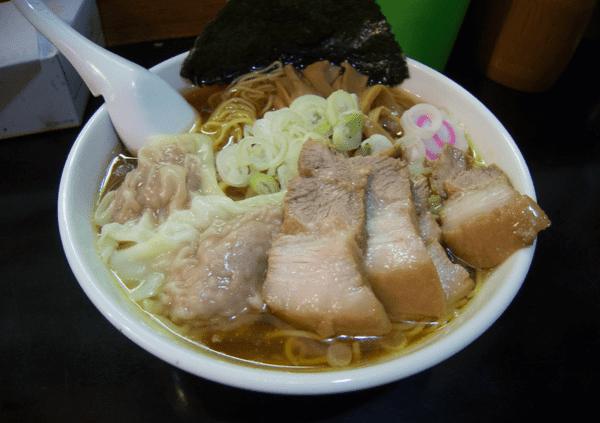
[485,220]
[315,275]
[401,271]
[316,281]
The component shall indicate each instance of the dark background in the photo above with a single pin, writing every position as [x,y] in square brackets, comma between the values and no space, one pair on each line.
[61,361]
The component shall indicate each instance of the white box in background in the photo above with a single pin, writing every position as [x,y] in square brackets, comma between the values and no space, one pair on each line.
[39,89]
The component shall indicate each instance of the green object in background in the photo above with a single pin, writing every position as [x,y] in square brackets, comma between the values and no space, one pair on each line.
[425,29]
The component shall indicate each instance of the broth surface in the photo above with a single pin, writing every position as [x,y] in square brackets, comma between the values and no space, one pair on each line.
[265,338]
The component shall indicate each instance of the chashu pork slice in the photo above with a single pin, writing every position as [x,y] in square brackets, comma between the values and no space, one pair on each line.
[315,280]
[328,189]
[450,163]
[315,275]
[455,279]
[485,220]
[400,270]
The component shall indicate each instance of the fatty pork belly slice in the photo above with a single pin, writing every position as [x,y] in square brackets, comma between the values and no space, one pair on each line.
[450,163]
[314,276]
[220,278]
[315,281]
[456,280]
[399,268]
[485,220]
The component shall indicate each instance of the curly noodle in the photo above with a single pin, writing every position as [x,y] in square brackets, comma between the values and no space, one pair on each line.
[245,100]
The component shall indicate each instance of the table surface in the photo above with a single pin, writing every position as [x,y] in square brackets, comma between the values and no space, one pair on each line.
[63,362]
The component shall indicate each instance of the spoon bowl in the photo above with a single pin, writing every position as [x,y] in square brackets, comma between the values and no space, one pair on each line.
[140,104]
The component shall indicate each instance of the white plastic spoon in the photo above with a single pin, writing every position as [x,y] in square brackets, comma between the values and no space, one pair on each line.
[140,103]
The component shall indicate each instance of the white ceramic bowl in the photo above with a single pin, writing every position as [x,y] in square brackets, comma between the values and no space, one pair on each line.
[86,167]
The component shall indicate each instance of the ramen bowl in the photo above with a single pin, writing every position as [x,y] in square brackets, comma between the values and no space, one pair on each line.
[86,167]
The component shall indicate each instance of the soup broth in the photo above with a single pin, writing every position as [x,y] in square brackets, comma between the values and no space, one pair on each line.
[267,339]
[262,336]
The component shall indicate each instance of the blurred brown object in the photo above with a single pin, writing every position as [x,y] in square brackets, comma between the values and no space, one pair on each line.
[526,44]
[133,21]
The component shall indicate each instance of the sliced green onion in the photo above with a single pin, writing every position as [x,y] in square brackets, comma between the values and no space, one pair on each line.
[339,104]
[413,148]
[347,133]
[313,109]
[374,144]
[257,153]
[435,204]
[261,184]
[230,169]
[288,122]
[418,168]
[339,354]
[354,122]
[280,142]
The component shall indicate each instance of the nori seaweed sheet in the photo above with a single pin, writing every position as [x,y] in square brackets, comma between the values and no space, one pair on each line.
[252,34]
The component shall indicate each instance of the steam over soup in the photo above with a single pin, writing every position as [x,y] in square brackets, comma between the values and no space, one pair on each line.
[313,220]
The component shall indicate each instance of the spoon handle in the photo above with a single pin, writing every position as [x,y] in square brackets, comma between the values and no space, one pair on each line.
[139,102]
[84,55]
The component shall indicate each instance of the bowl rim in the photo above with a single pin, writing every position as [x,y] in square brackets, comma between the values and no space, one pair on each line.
[263,378]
